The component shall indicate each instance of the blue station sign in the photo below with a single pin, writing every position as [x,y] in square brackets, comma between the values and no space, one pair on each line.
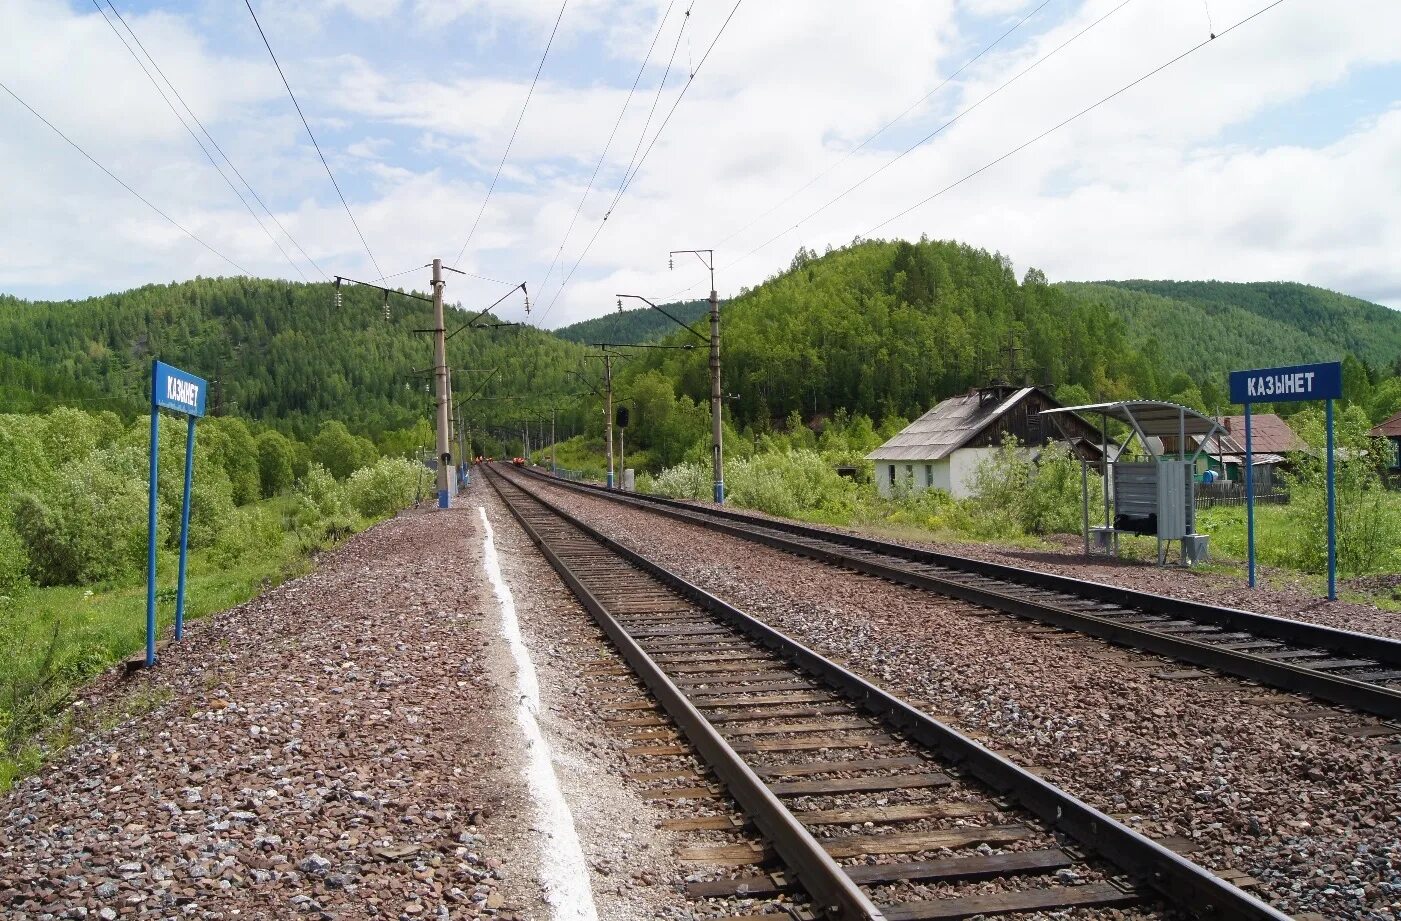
[178,390]
[1293,384]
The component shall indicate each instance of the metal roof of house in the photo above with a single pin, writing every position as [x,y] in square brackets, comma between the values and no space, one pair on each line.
[1268,433]
[945,428]
[1391,428]
[1256,460]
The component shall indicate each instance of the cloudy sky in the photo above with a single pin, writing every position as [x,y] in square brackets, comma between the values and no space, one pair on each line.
[1272,153]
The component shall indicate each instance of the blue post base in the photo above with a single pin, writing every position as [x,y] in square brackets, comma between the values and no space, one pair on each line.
[443,500]
[720,492]
[610,480]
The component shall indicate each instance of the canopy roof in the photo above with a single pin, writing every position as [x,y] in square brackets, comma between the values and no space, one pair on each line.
[1148,417]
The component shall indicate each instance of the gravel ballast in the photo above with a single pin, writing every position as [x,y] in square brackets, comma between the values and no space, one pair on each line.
[345,746]
[1246,779]
[1276,594]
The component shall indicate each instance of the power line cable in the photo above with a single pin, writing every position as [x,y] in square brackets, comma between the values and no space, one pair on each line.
[305,124]
[119,181]
[651,112]
[205,150]
[627,180]
[509,144]
[935,133]
[205,132]
[1085,111]
[609,143]
[636,150]
[890,124]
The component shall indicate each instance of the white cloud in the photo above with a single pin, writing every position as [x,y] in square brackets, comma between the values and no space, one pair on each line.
[1145,186]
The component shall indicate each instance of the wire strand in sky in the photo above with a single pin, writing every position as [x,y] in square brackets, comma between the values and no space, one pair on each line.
[890,124]
[1085,111]
[71,143]
[203,149]
[251,191]
[627,180]
[509,144]
[632,161]
[307,126]
[935,133]
[602,157]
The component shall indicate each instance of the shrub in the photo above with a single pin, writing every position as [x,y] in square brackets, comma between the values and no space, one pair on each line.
[690,480]
[250,529]
[275,457]
[341,452]
[1369,524]
[1015,494]
[791,483]
[14,561]
[84,526]
[319,507]
[384,488]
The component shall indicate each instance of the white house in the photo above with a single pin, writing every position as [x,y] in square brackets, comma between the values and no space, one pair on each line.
[942,448]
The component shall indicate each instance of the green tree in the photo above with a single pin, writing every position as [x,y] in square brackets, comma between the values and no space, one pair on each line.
[275,458]
[340,452]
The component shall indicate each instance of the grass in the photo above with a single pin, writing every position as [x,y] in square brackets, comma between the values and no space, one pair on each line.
[59,638]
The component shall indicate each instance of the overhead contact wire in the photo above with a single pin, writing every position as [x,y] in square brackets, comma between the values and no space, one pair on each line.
[203,149]
[509,144]
[627,181]
[608,145]
[642,136]
[307,126]
[936,132]
[176,224]
[256,197]
[1085,111]
[894,121]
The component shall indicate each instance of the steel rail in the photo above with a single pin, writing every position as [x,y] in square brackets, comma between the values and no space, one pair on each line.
[818,874]
[1178,880]
[1339,689]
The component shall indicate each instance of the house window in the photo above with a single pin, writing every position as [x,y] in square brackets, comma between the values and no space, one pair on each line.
[929,475]
[892,474]
[910,474]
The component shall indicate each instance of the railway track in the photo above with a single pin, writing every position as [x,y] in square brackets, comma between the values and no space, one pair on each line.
[859,796]
[1355,670]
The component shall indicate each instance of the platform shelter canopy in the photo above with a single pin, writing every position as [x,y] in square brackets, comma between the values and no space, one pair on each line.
[1149,418]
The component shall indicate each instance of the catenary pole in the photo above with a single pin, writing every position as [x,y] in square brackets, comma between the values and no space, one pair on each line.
[440,373]
[717,435]
[608,412]
[717,432]
[554,469]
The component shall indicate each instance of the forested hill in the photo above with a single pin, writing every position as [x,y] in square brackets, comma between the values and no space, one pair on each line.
[641,324]
[1210,327]
[881,328]
[888,328]
[283,353]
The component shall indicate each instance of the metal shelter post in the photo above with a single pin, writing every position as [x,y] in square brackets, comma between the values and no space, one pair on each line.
[1085,501]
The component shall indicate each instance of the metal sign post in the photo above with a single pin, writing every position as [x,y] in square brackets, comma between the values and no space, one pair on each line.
[1293,384]
[183,393]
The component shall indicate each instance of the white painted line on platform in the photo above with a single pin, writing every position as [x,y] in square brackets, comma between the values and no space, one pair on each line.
[563,872]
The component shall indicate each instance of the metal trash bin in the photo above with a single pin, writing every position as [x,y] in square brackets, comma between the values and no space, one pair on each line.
[1194,549]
